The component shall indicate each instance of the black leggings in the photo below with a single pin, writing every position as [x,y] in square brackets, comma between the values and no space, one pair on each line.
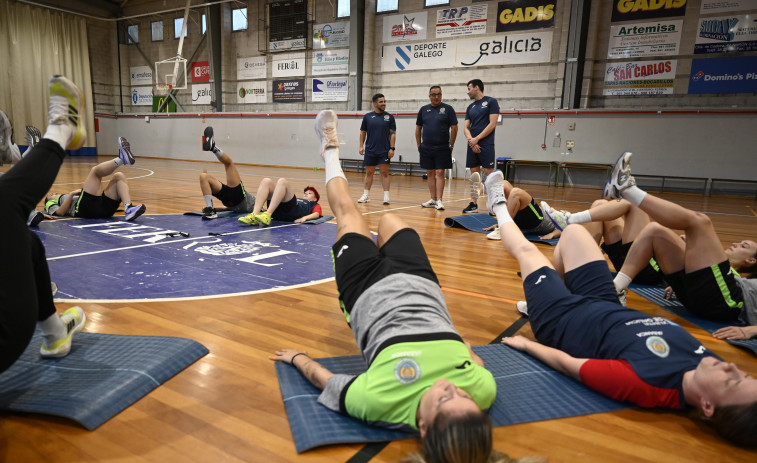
[25,294]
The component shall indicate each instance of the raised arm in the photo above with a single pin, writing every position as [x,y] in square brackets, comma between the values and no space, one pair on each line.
[557,359]
[313,371]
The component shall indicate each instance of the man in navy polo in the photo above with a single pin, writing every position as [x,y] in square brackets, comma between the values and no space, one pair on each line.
[435,134]
[480,122]
[377,137]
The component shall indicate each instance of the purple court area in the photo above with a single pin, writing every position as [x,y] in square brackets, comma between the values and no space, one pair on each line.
[109,259]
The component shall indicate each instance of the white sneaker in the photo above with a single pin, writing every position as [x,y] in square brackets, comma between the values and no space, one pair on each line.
[67,108]
[73,319]
[558,218]
[439,205]
[522,308]
[429,204]
[621,178]
[494,235]
[622,298]
[325,127]
[495,190]
[475,182]
[364,199]
[386,199]
[9,151]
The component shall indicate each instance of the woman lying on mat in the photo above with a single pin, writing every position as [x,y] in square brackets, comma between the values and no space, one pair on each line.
[584,332]
[421,375]
[25,297]
[712,283]
[283,205]
[526,214]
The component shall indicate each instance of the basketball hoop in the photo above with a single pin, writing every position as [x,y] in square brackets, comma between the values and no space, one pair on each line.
[162,88]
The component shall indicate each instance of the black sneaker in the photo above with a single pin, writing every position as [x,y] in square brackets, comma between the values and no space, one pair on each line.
[208,143]
[471,208]
[208,213]
[35,218]
[33,135]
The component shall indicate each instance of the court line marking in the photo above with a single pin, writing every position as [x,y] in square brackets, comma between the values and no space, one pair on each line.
[167,241]
[151,172]
[193,298]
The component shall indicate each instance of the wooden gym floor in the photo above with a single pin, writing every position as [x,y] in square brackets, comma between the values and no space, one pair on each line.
[227,406]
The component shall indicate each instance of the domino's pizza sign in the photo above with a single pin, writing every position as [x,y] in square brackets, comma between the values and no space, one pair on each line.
[724,75]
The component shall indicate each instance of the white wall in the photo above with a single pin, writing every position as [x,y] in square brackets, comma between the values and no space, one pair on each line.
[694,145]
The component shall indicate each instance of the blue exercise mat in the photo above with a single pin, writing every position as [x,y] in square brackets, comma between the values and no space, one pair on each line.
[232,214]
[655,294]
[527,390]
[477,223]
[103,375]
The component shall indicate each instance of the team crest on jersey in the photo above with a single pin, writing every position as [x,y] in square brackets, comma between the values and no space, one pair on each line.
[442,109]
[658,346]
[386,117]
[484,104]
[407,370]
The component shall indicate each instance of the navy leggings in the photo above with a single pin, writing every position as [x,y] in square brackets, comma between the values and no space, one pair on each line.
[25,295]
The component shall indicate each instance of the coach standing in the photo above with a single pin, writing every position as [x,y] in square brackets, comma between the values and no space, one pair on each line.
[378,133]
[480,122]
[435,134]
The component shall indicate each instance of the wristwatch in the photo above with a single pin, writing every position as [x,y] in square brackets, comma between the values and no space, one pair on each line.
[392,148]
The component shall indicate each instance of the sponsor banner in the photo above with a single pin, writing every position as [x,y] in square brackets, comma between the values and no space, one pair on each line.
[141,75]
[724,75]
[720,6]
[330,62]
[535,47]
[640,78]
[289,91]
[521,15]
[251,68]
[633,10]
[403,27]
[726,34]
[141,96]
[426,55]
[200,71]
[659,38]
[330,89]
[284,45]
[157,101]
[465,20]
[288,64]
[201,94]
[331,35]
[251,92]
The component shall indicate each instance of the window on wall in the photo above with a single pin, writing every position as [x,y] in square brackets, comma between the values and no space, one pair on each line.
[239,19]
[436,2]
[387,5]
[133,31]
[342,8]
[204,24]
[157,31]
[178,23]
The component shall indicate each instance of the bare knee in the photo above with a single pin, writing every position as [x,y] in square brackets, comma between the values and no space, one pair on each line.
[282,182]
[654,229]
[598,203]
[701,221]
[119,177]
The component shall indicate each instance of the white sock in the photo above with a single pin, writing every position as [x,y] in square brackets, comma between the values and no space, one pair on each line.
[386,195]
[634,195]
[119,162]
[52,327]
[332,166]
[621,281]
[580,217]
[218,152]
[59,133]
[208,200]
[366,193]
[503,216]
